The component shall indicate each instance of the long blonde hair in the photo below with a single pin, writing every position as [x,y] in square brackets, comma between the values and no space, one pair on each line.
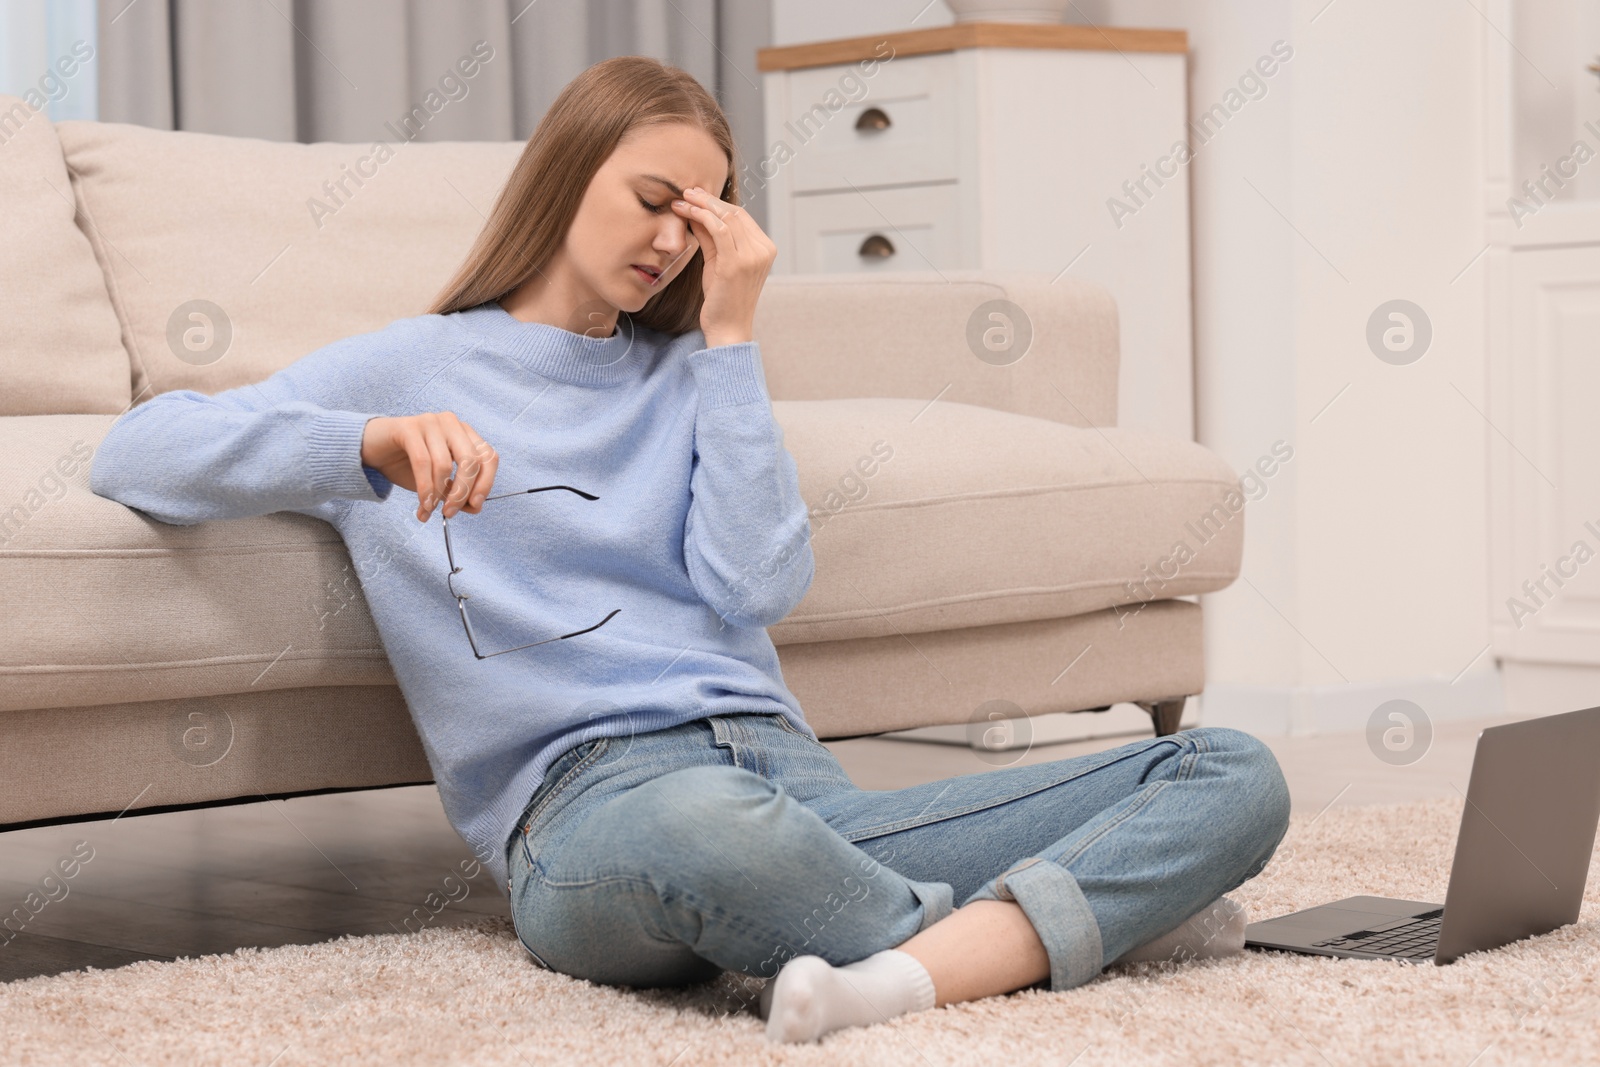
[536,207]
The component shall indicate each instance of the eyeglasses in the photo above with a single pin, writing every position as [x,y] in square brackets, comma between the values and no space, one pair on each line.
[462,598]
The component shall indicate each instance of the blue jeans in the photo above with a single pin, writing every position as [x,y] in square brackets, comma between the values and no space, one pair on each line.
[736,843]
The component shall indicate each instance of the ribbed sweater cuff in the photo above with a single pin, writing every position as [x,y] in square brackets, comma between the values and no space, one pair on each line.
[729,374]
[334,438]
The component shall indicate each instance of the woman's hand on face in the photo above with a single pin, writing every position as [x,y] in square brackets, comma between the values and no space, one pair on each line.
[417,452]
[738,255]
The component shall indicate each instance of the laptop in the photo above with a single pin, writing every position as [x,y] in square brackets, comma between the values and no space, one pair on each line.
[1522,857]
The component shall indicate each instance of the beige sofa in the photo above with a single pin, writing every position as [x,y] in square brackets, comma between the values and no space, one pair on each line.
[984,563]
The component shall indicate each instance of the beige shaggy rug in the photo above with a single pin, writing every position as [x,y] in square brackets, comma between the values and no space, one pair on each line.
[470,994]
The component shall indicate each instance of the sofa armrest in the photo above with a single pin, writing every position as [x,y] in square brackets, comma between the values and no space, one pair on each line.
[920,334]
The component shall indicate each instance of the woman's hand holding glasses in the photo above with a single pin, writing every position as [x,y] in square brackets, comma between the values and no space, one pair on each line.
[415,451]
[419,452]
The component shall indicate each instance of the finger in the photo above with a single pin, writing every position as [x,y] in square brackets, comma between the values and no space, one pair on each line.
[714,204]
[702,241]
[471,452]
[708,248]
[719,231]
[464,457]
[439,458]
[416,449]
[740,223]
[489,460]
[467,465]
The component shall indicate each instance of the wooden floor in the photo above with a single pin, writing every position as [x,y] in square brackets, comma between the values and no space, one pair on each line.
[311,869]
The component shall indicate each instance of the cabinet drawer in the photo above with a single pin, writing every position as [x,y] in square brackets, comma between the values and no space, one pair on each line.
[915,95]
[917,226]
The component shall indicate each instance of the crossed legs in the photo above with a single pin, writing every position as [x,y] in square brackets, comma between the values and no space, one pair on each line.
[716,868]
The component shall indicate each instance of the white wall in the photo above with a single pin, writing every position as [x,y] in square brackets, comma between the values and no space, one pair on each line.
[1354,180]
[1246,375]
[1368,580]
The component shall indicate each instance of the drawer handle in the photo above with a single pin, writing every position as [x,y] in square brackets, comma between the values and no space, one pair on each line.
[877,246]
[873,119]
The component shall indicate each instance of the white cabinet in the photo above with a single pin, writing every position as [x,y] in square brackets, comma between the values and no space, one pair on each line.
[910,227]
[1006,146]
[1543,289]
[912,143]
[1546,483]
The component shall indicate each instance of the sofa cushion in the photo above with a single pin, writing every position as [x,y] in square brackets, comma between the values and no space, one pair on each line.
[61,349]
[293,245]
[107,605]
[946,515]
[963,516]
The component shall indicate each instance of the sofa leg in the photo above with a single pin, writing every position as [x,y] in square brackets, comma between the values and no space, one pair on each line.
[1166,714]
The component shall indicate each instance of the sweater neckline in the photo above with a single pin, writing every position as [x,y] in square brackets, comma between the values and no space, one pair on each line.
[562,354]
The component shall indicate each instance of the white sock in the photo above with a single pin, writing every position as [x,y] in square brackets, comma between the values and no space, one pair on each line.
[1217,930]
[810,997]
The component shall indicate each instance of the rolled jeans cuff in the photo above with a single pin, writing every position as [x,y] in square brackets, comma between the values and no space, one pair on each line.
[1050,898]
[937,898]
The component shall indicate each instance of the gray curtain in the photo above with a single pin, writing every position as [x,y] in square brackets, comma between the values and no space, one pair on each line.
[351,70]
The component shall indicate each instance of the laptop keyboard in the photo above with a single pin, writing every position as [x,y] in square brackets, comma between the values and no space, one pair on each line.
[1417,938]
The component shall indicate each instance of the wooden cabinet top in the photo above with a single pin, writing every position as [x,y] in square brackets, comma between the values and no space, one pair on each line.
[1063,35]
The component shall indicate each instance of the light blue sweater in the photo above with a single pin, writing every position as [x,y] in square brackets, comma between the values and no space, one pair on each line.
[699,536]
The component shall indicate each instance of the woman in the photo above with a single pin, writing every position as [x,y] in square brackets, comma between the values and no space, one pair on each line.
[583,647]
